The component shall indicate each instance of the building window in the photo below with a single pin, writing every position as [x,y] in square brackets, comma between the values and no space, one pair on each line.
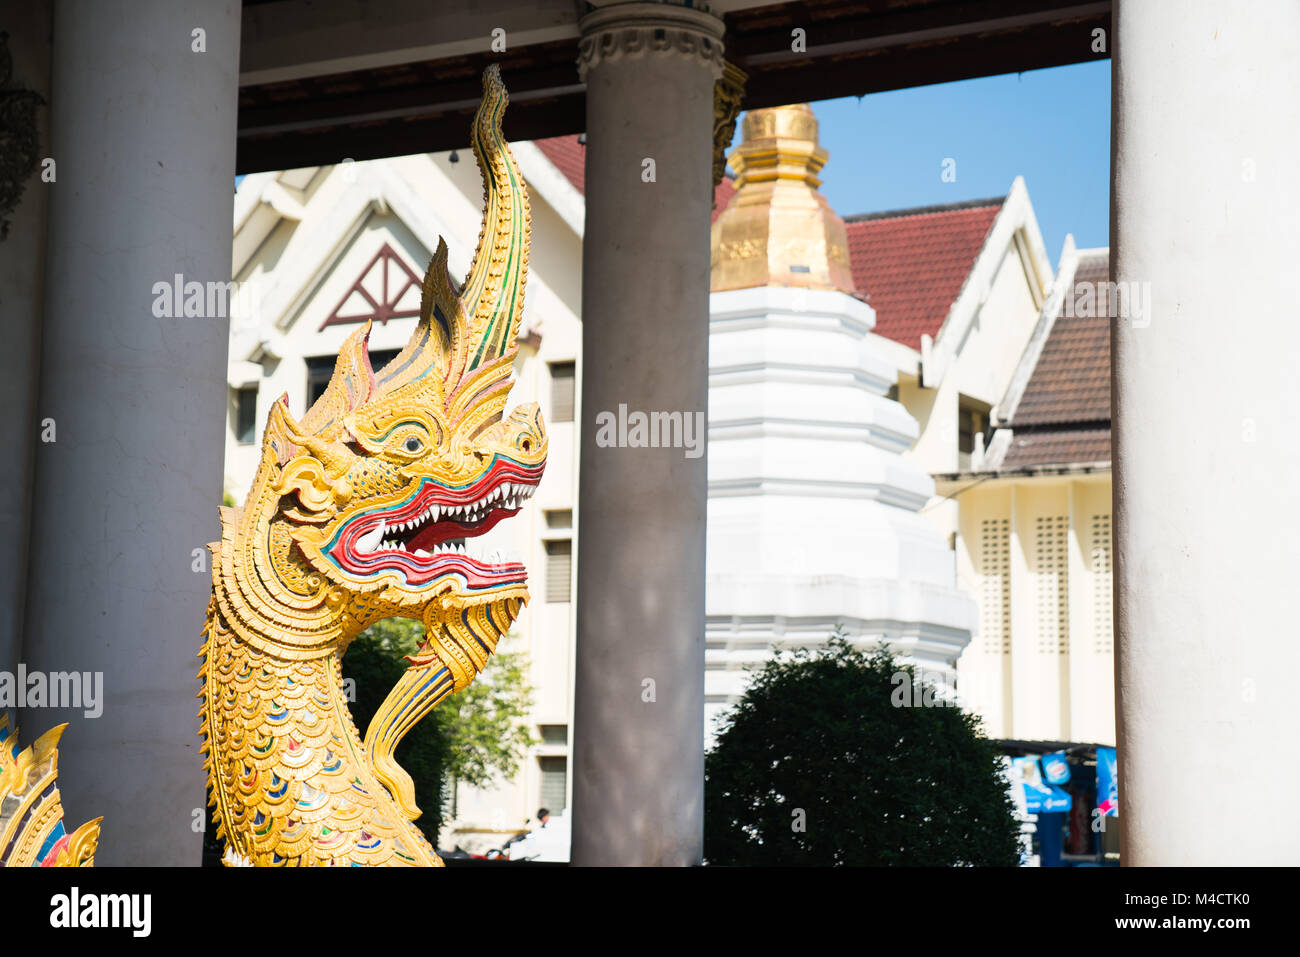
[972,420]
[320,369]
[559,518]
[555,735]
[246,415]
[995,585]
[559,568]
[555,783]
[1102,605]
[1052,580]
[562,395]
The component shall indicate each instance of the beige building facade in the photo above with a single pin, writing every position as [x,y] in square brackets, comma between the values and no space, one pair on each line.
[1035,528]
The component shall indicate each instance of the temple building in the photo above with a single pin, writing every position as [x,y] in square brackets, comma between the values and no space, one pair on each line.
[849,360]
[151,108]
[1034,528]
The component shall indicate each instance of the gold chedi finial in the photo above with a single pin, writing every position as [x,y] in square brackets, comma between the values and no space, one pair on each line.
[778,229]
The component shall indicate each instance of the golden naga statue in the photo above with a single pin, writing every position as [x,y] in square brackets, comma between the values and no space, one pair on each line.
[358,513]
[31,815]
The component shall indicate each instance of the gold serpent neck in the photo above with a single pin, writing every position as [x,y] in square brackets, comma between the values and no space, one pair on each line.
[290,782]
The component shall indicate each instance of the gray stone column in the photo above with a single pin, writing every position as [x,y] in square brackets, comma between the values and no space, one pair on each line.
[638,783]
[1206,449]
[143,131]
[22,277]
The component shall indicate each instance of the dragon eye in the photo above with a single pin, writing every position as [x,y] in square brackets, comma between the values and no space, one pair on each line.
[413,444]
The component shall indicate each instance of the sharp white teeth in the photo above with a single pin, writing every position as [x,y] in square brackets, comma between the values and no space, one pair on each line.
[433,513]
[369,541]
[421,553]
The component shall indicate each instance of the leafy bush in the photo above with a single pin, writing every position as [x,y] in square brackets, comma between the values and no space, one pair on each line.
[816,765]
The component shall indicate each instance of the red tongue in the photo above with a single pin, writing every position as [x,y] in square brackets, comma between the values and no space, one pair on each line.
[437,533]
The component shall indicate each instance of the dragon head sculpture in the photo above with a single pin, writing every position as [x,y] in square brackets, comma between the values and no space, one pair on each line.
[360,510]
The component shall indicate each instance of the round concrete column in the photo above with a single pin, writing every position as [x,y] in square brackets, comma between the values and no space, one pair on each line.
[143,132]
[1206,458]
[22,255]
[638,785]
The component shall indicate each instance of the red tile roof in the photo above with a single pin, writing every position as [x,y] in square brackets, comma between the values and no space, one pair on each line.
[570,158]
[911,264]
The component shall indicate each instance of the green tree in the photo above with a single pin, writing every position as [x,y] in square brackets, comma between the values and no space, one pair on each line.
[473,736]
[821,764]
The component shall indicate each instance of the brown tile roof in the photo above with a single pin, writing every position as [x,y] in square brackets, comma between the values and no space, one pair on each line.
[1063,417]
[570,158]
[1071,381]
[911,264]
[1057,447]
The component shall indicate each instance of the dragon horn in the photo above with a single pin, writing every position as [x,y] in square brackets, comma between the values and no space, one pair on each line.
[494,289]
[461,330]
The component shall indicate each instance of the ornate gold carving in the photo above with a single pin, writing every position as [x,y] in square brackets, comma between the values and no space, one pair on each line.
[31,814]
[778,230]
[630,30]
[351,519]
[728,94]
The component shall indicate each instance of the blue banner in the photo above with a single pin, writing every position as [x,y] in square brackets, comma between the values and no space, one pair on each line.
[1055,768]
[1040,797]
[1107,782]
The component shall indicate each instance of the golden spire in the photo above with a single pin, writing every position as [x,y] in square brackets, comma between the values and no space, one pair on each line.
[778,230]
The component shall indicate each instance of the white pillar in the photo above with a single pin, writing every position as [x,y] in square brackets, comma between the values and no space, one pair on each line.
[143,132]
[638,784]
[1204,203]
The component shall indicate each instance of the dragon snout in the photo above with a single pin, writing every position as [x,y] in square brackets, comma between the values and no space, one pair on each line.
[522,434]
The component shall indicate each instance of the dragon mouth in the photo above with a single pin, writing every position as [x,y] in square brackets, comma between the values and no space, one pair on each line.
[423,537]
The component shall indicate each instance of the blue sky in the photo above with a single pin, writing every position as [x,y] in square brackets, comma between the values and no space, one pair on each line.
[1050,126]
